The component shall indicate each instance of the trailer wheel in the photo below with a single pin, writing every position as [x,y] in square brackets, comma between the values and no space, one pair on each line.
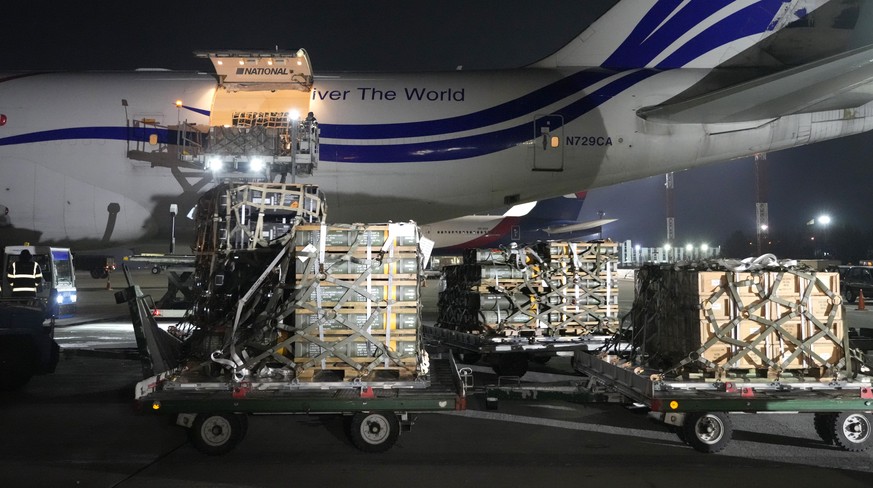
[374,431]
[510,364]
[824,426]
[16,364]
[540,359]
[708,432]
[217,433]
[853,431]
[850,295]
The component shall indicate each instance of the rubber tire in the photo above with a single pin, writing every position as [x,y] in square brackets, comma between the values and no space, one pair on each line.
[17,364]
[708,432]
[860,428]
[510,364]
[850,295]
[374,431]
[467,357]
[540,359]
[824,426]
[217,433]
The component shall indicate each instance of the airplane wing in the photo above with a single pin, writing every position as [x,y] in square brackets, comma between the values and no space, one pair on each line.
[835,83]
[577,227]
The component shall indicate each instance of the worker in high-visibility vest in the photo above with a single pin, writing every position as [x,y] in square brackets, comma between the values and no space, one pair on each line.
[25,276]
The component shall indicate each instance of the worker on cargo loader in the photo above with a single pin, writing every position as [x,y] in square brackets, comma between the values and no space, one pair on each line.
[25,276]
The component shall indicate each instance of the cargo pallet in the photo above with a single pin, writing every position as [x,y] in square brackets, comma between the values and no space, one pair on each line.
[216,409]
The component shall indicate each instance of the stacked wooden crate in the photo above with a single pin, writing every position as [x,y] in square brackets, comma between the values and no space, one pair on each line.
[770,319]
[549,289]
[356,298]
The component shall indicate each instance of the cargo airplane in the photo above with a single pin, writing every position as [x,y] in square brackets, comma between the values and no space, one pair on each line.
[649,86]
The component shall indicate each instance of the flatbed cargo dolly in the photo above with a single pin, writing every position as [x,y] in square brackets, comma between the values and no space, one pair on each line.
[216,409]
[217,415]
[697,410]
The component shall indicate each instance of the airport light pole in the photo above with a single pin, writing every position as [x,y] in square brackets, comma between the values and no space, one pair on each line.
[824,221]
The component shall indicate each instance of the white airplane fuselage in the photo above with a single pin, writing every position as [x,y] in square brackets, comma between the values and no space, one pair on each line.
[422,147]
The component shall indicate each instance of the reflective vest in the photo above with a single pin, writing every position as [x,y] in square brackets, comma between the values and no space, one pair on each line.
[24,277]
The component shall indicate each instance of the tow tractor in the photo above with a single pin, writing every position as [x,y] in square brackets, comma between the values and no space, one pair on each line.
[58,292]
[27,345]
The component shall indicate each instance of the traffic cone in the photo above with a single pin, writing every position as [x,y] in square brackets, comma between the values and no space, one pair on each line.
[108,284]
[861,300]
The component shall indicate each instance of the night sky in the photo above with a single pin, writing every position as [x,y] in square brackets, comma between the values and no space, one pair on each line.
[711,202]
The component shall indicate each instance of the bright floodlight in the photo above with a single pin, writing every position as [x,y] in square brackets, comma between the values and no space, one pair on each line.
[704,247]
[764,227]
[824,219]
[667,247]
[256,164]
[689,247]
[294,115]
[214,164]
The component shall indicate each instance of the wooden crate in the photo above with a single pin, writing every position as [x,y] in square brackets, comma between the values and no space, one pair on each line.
[398,318]
[376,292]
[345,236]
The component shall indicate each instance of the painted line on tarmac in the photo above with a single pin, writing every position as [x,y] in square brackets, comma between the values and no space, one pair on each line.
[562,424]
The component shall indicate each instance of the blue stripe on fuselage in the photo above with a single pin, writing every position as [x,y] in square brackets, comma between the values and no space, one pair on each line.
[200,111]
[105,133]
[477,145]
[512,109]
[450,149]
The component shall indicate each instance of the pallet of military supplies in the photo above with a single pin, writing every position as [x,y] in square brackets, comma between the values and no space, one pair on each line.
[539,290]
[372,238]
[357,355]
[772,319]
[356,302]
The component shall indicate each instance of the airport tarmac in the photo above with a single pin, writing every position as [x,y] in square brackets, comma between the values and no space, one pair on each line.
[77,427]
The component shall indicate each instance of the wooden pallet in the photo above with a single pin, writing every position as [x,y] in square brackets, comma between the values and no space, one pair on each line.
[347,374]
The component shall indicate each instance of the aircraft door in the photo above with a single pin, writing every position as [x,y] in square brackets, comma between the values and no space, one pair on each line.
[548,138]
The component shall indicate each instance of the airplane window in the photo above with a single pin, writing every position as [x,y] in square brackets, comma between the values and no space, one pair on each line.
[556,141]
